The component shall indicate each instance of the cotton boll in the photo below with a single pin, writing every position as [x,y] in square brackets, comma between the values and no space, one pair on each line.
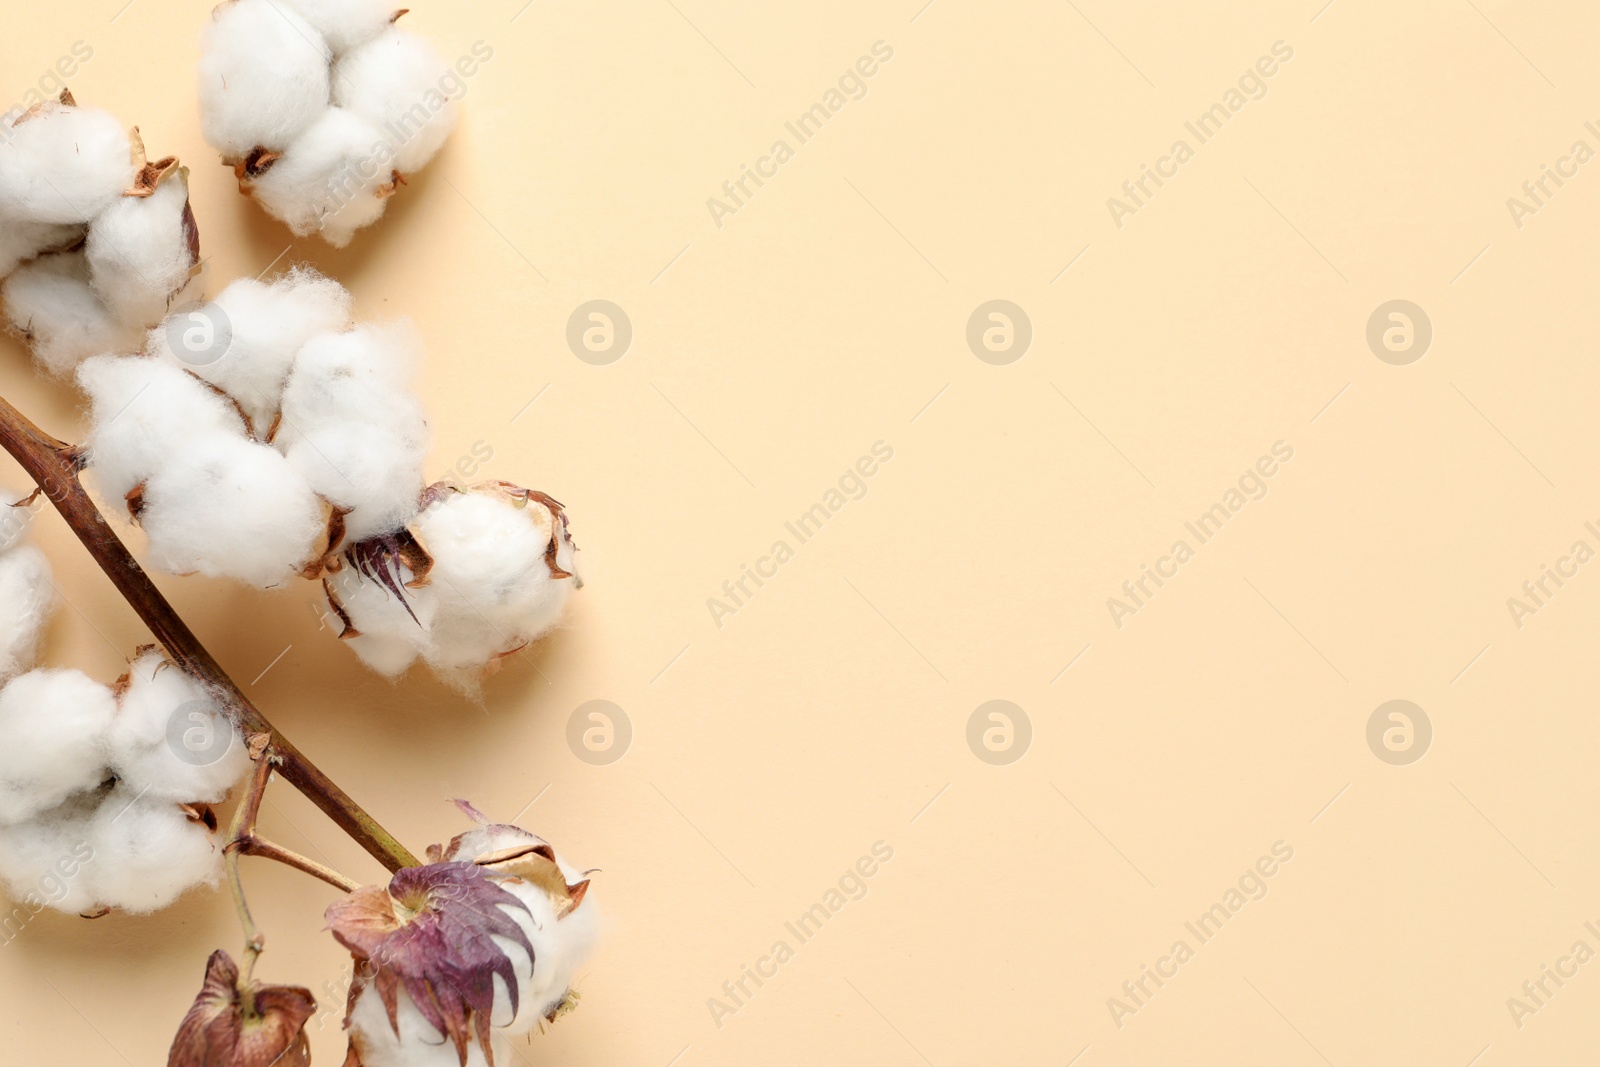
[381,630]
[393,81]
[22,241]
[492,574]
[52,740]
[368,469]
[147,852]
[563,934]
[140,253]
[63,164]
[266,324]
[228,507]
[49,860]
[144,412]
[50,302]
[263,77]
[27,597]
[332,181]
[345,23]
[170,739]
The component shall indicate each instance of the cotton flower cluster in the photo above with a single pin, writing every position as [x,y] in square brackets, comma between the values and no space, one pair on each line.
[105,790]
[322,107]
[95,240]
[457,958]
[265,436]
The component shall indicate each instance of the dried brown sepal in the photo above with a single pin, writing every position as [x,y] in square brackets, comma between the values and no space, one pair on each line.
[232,1024]
[398,15]
[256,163]
[135,500]
[390,187]
[277,424]
[431,933]
[200,813]
[349,630]
[191,238]
[336,526]
[97,912]
[224,394]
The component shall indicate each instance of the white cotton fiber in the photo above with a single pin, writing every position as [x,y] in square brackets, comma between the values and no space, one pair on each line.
[494,587]
[263,77]
[139,252]
[329,180]
[52,740]
[352,427]
[50,302]
[393,81]
[345,23]
[48,861]
[148,851]
[229,507]
[417,1043]
[26,599]
[388,637]
[144,412]
[170,740]
[63,164]
[21,241]
[267,325]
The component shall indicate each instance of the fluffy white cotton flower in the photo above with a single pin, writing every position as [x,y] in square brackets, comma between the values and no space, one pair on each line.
[345,23]
[50,302]
[147,852]
[265,326]
[503,570]
[48,862]
[22,241]
[63,164]
[352,427]
[143,415]
[170,740]
[53,725]
[561,921]
[393,81]
[228,507]
[263,77]
[333,180]
[27,596]
[142,251]
[323,150]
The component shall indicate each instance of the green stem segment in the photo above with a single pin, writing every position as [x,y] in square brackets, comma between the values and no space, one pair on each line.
[54,467]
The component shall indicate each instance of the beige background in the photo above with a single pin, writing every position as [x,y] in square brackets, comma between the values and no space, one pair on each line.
[830,713]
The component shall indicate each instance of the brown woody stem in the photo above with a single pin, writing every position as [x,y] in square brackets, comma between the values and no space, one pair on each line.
[54,467]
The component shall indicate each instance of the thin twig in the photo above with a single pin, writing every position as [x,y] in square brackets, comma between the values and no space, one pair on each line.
[256,846]
[54,467]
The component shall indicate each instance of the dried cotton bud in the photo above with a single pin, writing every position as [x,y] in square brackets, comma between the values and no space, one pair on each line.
[235,1023]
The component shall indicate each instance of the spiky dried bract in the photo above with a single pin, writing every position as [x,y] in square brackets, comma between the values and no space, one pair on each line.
[234,1024]
[322,107]
[431,935]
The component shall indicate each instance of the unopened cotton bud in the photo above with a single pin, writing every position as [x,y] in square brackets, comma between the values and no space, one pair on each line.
[236,1022]
[263,77]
